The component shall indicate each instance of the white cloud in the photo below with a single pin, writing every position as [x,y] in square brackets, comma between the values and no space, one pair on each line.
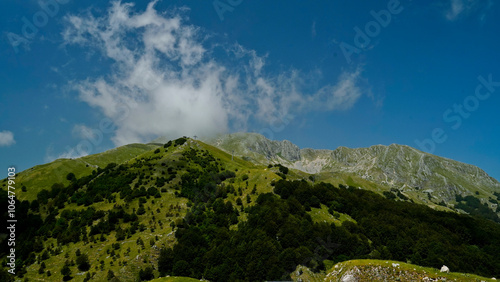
[341,96]
[457,9]
[71,153]
[82,131]
[165,81]
[6,138]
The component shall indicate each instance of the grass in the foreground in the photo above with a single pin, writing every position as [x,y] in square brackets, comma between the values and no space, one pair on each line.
[382,270]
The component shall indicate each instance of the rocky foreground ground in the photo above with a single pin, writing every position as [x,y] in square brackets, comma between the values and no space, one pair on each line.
[373,270]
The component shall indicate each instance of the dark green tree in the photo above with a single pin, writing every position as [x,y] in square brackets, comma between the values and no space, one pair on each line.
[83,262]
[41,270]
[254,190]
[146,274]
[70,176]
[181,268]
[66,272]
[165,261]
[110,275]
[141,210]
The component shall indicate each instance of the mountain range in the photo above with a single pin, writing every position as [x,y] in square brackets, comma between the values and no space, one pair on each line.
[420,176]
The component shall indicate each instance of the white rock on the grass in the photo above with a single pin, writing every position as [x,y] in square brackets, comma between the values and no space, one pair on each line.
[444,268]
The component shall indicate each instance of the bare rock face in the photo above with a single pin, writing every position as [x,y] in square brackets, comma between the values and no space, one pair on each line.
[348,278]
[403,166]
[272,149]
[256,147]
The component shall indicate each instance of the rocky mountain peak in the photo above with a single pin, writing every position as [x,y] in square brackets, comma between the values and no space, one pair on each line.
[395,166]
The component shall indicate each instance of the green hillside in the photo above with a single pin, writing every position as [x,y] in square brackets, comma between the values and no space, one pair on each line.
[145,162]
[44,176]
[188,209]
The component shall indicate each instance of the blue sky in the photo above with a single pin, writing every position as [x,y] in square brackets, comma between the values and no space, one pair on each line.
[81,77]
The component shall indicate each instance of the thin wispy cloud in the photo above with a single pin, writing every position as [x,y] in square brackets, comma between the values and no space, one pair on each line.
[81,131]
[51,154]
[6,138]
[457,9]
[341,96]
[171,84]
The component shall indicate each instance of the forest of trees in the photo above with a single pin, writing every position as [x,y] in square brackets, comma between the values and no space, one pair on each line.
[279,235]
[473,206]
[46,216]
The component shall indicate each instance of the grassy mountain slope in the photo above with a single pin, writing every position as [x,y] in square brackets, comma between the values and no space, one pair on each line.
[44,176]
[419,176]
[127,204]
[148,163]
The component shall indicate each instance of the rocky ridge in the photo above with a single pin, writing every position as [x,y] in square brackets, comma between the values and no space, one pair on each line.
[412,172]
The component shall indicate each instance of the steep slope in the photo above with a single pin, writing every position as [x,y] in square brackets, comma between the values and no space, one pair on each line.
[120,208]
[44,176]
[187,208]
[420,176]
[407,168]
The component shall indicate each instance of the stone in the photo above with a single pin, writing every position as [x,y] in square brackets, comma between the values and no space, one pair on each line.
[445,269]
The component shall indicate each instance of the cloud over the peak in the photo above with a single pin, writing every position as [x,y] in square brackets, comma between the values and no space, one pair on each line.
[166,80]
[6,138]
